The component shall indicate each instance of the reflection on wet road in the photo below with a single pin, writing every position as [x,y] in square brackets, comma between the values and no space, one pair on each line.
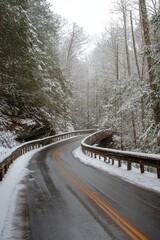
[68,200]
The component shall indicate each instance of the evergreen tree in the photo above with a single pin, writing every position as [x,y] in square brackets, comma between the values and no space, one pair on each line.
[55,86]
[31,82]
[20,77]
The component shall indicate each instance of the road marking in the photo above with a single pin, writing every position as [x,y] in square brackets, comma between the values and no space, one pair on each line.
[115,216]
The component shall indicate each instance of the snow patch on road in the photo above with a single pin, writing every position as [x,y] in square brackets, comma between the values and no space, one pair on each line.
[146,180]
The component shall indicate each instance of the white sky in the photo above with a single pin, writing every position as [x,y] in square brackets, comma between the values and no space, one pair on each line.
[92,15]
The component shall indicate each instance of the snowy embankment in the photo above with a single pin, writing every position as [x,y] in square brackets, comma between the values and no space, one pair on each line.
[6,152]
[146,180]
[9,188]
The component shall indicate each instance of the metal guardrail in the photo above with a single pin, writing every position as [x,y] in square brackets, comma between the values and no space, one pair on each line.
[26,147]
[110,155]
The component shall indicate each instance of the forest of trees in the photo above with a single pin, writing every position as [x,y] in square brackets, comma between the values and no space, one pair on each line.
[121,78]
[48,83]
[33,86]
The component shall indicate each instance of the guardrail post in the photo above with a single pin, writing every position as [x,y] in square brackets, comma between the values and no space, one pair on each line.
[129,166]
[3,172]
[158,172]
[1,175]
[142,168]
[119,163]
[112,161]
[7,166]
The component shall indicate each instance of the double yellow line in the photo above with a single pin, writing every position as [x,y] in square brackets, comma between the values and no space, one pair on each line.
[120,221]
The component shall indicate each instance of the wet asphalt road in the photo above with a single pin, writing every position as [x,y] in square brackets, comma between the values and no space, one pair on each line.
[68,200]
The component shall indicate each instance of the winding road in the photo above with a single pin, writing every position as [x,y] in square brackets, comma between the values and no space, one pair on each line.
[67,200]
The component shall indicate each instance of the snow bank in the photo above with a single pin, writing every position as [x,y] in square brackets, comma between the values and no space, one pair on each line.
[146,180]
[3,151]
[9,188]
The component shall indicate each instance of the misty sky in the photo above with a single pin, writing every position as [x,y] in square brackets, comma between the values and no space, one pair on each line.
[92,15]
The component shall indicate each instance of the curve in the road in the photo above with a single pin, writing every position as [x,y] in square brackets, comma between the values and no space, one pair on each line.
[119,220]
[68,200]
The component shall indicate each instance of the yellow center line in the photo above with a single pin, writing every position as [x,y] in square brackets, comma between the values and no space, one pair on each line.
[120,221]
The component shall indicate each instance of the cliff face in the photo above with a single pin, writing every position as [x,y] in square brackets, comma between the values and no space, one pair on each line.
[27,129]
[15,129]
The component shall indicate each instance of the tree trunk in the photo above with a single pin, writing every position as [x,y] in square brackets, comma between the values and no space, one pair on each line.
[88,115]
[129,71]
[134,45]
[126,43]
[138,69]
[117,78]
[134,129]
[150,63]
[117,61]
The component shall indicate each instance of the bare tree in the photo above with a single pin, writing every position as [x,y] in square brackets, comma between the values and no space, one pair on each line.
[137,67]
[150,63]
[73,45]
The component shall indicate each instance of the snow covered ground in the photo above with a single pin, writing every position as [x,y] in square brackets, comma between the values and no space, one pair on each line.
[12,183]
[9,188]
[146,180]
[6,152]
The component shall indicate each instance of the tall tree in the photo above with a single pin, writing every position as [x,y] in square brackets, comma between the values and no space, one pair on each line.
[19,57]
[73,44]
[151,64]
